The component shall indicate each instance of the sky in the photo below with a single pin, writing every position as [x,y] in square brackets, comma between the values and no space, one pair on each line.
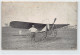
[39,12]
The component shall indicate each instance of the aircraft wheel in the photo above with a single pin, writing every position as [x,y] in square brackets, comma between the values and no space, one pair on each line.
[55,32]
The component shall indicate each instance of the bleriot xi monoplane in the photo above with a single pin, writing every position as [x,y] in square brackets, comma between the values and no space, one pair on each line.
[49,29]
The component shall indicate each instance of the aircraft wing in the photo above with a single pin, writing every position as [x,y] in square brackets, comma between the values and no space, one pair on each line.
[58,25]
[38,26]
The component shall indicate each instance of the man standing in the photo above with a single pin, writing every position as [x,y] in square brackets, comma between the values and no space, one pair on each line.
[33,31]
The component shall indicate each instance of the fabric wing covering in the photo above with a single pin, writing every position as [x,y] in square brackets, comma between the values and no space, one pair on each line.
[38,26]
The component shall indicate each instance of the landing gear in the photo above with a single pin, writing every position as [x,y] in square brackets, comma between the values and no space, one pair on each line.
[52,32]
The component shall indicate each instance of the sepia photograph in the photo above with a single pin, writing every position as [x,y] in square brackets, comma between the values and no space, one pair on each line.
[39,25]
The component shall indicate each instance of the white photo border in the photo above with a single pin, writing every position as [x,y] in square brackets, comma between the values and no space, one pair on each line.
[44,52]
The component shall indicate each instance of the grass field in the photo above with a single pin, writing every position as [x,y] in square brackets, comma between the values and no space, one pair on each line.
[66,39]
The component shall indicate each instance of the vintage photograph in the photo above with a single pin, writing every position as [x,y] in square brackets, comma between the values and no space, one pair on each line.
[39,25]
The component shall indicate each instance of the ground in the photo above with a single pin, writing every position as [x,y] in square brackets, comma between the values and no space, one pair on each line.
[66,39]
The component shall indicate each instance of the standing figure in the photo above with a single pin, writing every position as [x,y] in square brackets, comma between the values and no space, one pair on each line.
[33,31]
